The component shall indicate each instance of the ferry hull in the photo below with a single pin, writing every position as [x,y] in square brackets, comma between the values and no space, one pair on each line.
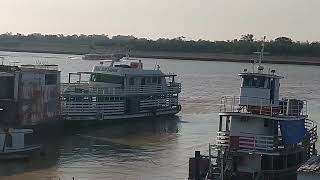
[118,117]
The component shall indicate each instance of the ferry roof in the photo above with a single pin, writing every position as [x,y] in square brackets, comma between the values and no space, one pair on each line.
[260,74]
[120,71]
[136,75]
[311,166]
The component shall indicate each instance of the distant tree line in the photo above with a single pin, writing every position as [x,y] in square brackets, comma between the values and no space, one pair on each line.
[247,44]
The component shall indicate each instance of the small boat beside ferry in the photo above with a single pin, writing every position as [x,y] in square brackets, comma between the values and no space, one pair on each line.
[260,135]
[121,90]
[13,146]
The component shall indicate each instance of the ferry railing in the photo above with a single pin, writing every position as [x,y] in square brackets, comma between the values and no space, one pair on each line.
[85,88]
[255,105]
[41,66]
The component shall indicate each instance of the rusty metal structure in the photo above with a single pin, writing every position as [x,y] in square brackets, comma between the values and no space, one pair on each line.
[29,95]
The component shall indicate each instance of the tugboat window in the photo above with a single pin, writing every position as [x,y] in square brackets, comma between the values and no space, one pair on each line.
[247,81]
[261,82]
[255,82]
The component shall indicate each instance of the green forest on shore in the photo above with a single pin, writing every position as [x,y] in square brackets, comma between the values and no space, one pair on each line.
[245,45]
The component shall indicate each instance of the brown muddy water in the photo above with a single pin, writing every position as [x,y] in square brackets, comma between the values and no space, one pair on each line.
[150,148]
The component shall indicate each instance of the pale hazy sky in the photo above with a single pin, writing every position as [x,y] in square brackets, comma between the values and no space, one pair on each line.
[194,19]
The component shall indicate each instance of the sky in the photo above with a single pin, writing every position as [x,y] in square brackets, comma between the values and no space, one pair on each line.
[194,19]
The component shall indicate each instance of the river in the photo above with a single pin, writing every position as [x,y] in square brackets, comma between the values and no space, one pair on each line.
[151,148]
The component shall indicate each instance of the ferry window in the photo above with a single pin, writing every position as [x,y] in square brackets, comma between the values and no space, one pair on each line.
[79,99]
[143,81]
[265,123]
[50,79]
[94,99]
[148,80]
[159,80]
[93,77]
[86,98]
[131,81]
[154,80]
[107,78]
[100,99]
[244,119]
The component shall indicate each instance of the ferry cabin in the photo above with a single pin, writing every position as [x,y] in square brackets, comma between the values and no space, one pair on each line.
[119,92]
[261,136]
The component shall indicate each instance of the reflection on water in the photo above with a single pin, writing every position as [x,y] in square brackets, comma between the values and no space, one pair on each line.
[100,146]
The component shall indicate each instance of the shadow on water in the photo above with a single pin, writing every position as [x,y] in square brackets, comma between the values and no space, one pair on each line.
[114,141]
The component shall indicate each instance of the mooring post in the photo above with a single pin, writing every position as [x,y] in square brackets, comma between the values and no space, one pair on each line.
[197,165]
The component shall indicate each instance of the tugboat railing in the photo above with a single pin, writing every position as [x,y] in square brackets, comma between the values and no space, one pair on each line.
[261,106]
[264,144]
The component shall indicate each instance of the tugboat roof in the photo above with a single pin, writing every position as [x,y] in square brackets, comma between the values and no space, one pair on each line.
[260,74]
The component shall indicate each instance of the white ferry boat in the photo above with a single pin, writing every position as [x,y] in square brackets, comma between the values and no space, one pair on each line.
[120,91]
[260,136]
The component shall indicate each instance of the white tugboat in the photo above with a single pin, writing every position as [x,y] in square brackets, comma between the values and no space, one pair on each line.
[260,136]
[120,91]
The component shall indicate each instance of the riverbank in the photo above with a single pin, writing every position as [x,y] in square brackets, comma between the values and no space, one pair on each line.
[169,55]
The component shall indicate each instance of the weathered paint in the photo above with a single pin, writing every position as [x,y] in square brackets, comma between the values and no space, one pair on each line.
[36,99]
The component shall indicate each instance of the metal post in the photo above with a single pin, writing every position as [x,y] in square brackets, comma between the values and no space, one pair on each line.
[197,164]
[260,106]
[220,124]
[227,123]
[210,164]
[222,170]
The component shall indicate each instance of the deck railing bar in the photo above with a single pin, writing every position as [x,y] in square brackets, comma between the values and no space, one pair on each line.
[230,104]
